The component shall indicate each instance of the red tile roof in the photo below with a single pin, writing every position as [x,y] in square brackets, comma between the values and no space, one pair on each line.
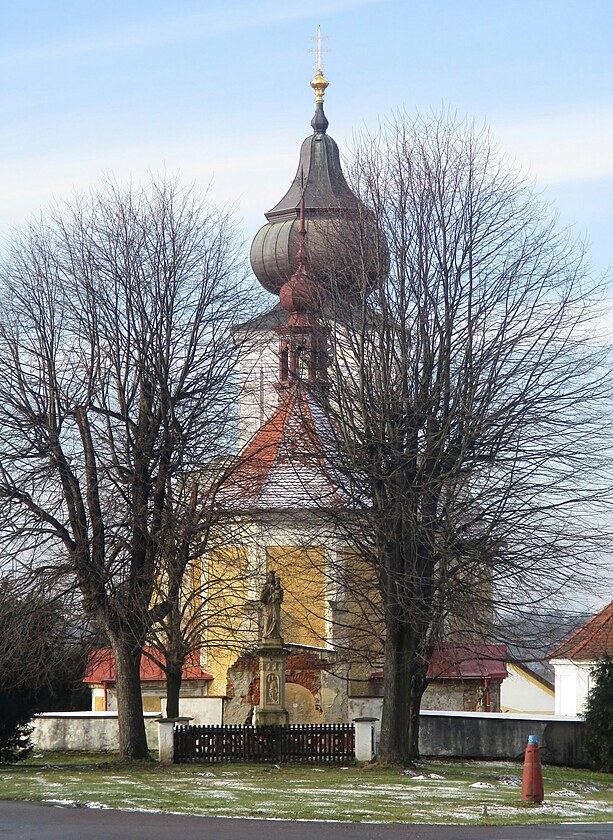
[591,642]
[101,668]
[283,464]
[466,662]
[470,662]
[257,458]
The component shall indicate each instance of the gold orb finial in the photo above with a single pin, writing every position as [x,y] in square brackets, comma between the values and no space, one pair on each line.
[319,85]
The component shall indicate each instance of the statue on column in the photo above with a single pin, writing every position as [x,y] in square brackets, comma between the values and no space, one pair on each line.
[271,598]
[271,709]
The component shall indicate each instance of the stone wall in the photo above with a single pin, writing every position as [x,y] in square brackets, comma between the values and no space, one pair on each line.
[488,734]
[203,711]
[451,734]
[458,695]
[85,731]
[483,735]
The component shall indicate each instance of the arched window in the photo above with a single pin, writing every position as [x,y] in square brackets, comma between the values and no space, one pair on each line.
[284,364]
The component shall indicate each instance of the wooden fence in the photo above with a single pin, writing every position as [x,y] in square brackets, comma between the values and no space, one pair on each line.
[325,743]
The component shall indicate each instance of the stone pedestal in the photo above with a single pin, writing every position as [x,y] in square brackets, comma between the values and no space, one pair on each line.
[271,710]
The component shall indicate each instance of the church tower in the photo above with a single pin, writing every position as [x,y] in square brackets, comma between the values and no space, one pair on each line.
[277,488]
[299,255]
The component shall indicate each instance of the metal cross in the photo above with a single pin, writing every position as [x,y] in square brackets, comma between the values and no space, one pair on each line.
[319,49]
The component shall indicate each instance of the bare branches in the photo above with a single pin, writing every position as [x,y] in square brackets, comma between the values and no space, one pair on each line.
[466,399]
[115,370]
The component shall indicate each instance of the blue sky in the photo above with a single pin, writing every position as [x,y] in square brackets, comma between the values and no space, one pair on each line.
[218,92]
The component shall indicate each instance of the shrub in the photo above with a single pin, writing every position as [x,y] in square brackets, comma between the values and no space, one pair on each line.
[599,719]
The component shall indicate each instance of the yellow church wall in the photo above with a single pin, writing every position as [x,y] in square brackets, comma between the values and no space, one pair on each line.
[363,630]
[232,609]
[303,578]
[226,595]
[152,703]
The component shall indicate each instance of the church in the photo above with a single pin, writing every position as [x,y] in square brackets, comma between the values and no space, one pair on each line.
[277,488]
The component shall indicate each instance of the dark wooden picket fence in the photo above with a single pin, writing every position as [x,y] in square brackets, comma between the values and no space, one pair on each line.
[326,743]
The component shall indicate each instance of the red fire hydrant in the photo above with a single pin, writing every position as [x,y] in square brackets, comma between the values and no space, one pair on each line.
[532,781]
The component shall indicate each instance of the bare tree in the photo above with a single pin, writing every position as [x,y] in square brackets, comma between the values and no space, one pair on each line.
[115,370]
[466,398]
[199,594]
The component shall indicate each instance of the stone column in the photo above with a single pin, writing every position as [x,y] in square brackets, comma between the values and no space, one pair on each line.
[365,748]
[166,740]
[166,737]
[271,710]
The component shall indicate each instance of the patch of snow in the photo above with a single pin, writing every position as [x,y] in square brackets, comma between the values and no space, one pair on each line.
[62,803]
[511,781]
[486,785]
[564,792]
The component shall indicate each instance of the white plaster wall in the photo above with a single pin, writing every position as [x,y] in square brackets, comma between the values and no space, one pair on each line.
[204,711]
[572,684]
[518,693]
[258,371]
[366,707]
[85,731]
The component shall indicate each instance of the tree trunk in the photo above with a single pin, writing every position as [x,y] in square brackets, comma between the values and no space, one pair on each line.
[132,736]
[173,689]
[405,683]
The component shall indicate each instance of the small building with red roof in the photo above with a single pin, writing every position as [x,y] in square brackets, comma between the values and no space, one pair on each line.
[100,676]
[575,659]
[463,678]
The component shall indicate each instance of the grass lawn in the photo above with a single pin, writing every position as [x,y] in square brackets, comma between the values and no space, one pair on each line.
[442,791]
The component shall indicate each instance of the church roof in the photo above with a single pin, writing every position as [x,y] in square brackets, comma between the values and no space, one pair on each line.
[591,642]
[319,179]
[272,319]
[101,668]
[283,465]
[465,662]
[333,216]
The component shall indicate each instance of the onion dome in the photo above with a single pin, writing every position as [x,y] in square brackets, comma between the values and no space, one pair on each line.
[329,209]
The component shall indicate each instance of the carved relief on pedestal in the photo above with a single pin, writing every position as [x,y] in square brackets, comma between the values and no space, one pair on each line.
[273,695]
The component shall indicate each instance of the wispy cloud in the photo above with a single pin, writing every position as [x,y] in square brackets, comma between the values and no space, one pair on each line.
[223,18]
[573,145]
[28,185]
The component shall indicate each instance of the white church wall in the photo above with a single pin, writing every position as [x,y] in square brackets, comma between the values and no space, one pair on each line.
[520,692]
[572,684]
[258,370]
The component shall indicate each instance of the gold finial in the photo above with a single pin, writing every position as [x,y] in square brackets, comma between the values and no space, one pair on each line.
[319,83]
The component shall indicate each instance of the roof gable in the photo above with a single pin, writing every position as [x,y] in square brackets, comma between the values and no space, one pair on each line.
[283,465]
[591,642]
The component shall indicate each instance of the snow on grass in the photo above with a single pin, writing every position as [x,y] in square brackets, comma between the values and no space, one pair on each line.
[443,792]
